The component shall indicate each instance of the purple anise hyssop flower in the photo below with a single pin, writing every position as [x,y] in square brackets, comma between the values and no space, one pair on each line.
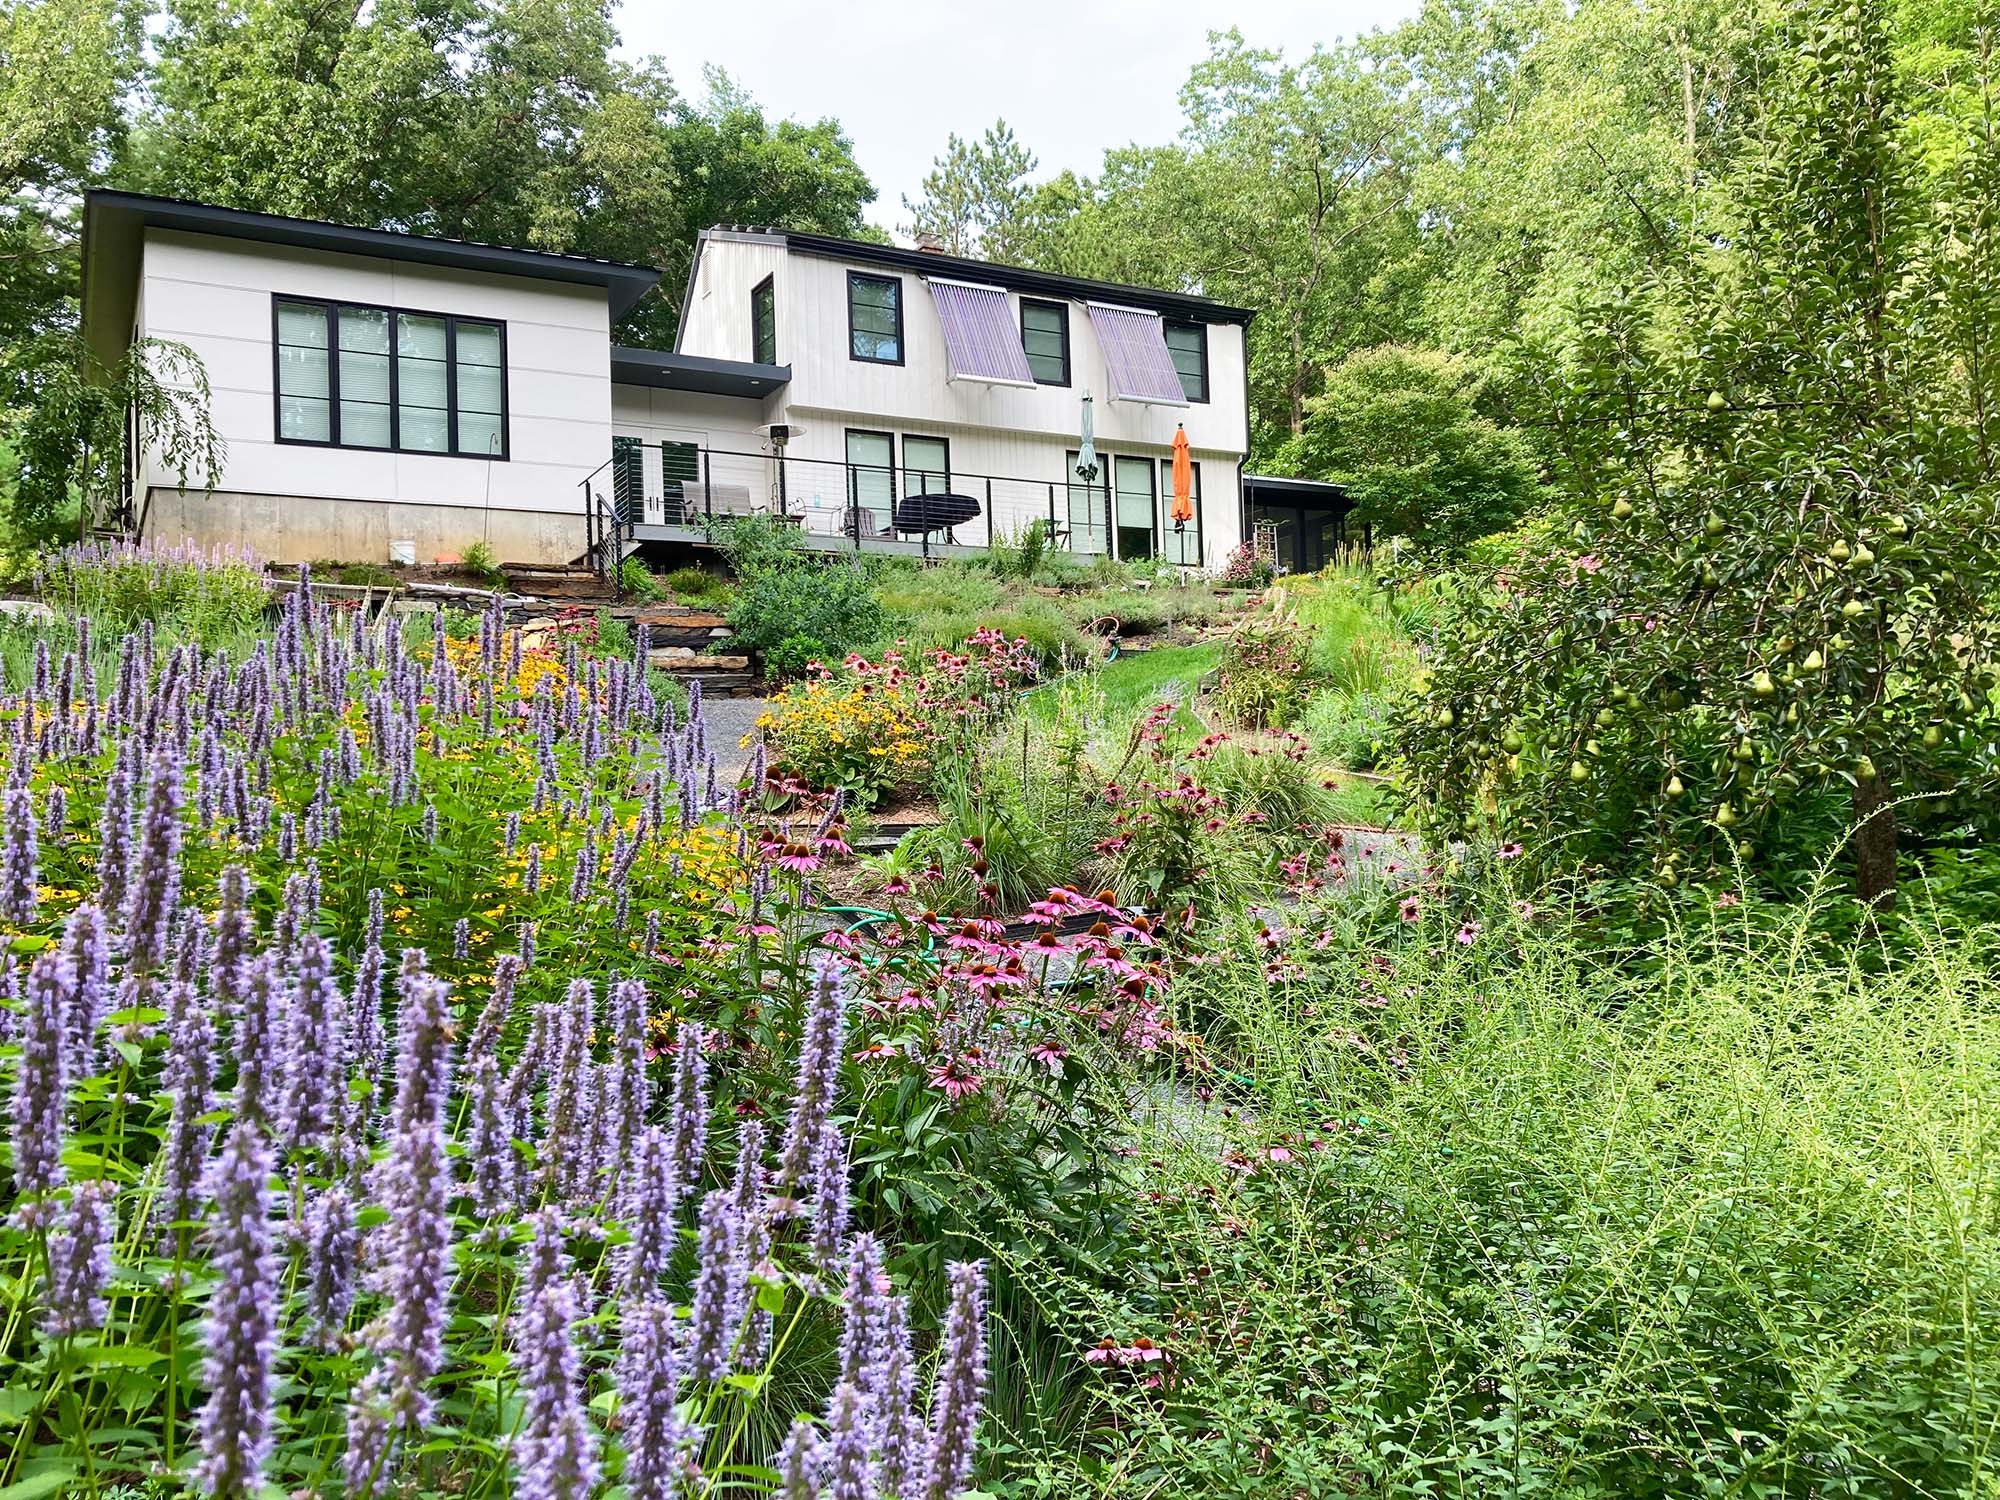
[798,1462]
[958,1389]
[710,1336]
[648,1390]
[19,857]
[415,1186]
[80,1260]
[850,1474]
[314,1047]
[89,951]
[818,1073]
[689,1125]
[332,1241]
[40,1084]
[240,1332]
[189,1077]
[651,1194]
[891,1381]
[491,1149]
[153,889]
[556,1448]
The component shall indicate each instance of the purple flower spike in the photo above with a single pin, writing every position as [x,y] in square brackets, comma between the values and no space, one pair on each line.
[710,1336]
[414,1185]
[690,1113]
[818,1072]
[240,1332]
[153,889]
[867,1305]
[494,1165]
[80,1260]
[259,1016]
[40,1081]
[798,1461]
[89,953]
[850,1475]
[314,1046]
[189,1076]
[19,857]
[556,1449]
[648,1390]
[959,1388]
[651,1197]
[891,1382]
[332,1240]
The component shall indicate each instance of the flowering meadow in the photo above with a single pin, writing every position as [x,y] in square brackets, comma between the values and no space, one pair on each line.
[424,1078]
[431,1073]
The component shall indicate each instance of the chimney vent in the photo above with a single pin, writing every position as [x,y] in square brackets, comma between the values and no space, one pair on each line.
[929,243]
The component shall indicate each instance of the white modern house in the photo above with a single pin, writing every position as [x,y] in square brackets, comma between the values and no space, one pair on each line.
[387,395]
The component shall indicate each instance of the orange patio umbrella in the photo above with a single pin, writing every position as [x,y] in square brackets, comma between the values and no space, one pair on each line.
[1183,511]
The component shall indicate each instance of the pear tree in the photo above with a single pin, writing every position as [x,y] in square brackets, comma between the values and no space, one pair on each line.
[1761,626]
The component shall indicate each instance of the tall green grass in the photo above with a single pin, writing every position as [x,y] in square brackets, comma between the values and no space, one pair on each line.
[1491,1220]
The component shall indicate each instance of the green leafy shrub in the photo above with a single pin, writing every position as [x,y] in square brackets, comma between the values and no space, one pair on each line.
[1264,680]
[1346,727]
[639,581]
[480,562]
[830,602]
[794,654]
[699,587]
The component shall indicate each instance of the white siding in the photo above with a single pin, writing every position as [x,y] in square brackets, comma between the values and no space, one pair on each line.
[724,426]
[718,313]
[1019,436]
[215,295]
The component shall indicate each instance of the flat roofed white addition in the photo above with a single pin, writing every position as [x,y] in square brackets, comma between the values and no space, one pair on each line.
[980,338]
[1135,348]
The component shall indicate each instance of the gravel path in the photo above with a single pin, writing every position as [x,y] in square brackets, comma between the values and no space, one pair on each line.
[729,720]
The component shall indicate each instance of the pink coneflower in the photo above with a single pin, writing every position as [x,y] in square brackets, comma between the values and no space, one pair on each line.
[1525,910]
[1729,898]
[1468,934]
[1049,1055]
[798,860]
[895,885]
[1408,910]
[876,1052]
[956,1079]
[1510,850]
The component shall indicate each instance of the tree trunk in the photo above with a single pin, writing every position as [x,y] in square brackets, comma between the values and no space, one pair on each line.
[1874,846]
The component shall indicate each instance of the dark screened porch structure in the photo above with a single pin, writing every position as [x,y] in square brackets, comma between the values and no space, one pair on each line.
[1306,521]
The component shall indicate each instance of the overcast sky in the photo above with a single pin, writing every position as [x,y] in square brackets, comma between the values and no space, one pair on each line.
[1072,77]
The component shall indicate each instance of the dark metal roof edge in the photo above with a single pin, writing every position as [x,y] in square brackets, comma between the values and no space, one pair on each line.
[1015,278]
[1285,482]
[721,373]
[626,283]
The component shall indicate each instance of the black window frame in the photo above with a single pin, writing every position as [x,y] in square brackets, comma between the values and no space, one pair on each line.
[1200,330]
[1061,308]
[908,470]
[332,306]
[1166,506]
[902,346]
[768,290]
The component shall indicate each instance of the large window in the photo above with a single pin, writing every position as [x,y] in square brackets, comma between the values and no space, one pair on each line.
[1088,509]
[764,323]
[875,318]
[1045,339]
[350,376]
[1188,344]
[1181,547]
[680,466]
[871,483]
[926,466]
[628,477]
[1133,506]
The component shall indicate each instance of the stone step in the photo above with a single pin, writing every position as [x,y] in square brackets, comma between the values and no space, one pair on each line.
[684,659]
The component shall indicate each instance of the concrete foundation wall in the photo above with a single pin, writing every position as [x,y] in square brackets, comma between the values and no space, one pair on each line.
[302,528]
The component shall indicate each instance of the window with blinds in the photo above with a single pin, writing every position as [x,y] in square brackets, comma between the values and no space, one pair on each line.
[353,376]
